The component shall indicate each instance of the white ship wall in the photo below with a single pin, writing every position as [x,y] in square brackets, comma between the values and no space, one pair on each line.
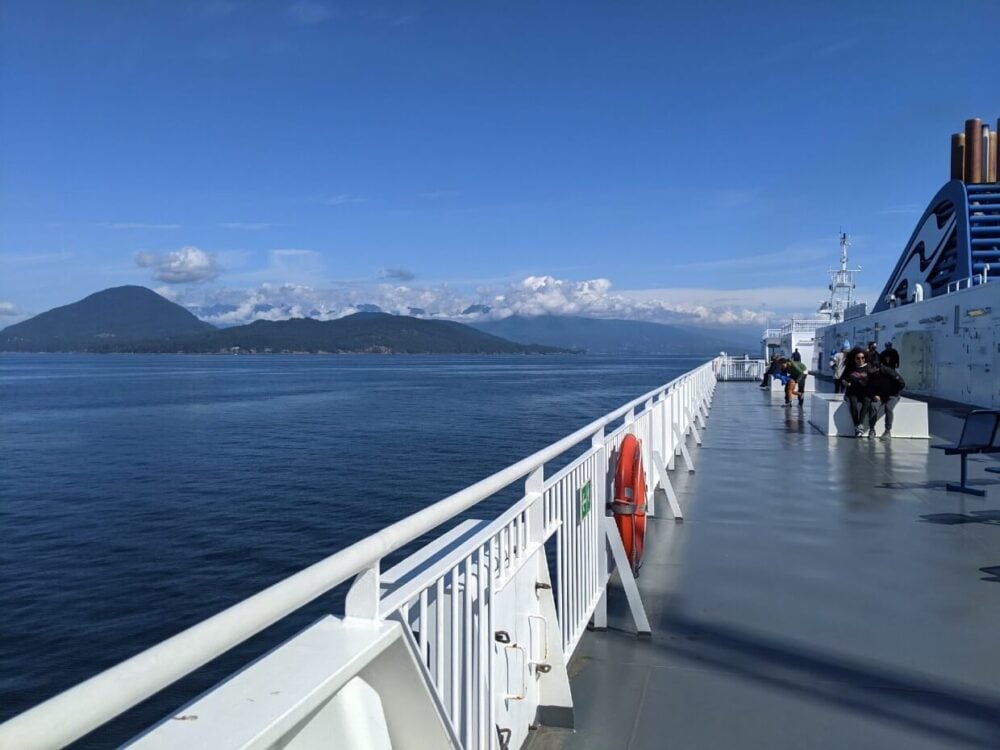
[804,341]
[949,346]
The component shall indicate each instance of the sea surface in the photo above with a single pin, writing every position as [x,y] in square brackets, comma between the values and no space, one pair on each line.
[142,494]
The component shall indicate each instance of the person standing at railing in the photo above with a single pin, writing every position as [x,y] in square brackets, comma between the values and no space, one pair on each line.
[796,357]
[837,363]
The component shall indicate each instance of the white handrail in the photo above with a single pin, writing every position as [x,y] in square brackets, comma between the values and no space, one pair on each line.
[86,706]
[738,368]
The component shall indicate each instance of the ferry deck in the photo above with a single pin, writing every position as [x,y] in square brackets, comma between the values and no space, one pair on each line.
[821,593]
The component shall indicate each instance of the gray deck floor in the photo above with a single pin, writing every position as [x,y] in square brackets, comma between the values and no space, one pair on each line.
[821,593]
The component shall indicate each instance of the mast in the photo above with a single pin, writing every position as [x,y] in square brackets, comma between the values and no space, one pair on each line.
[842,282]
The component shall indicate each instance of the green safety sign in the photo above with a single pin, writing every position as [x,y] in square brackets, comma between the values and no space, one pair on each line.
[584,500]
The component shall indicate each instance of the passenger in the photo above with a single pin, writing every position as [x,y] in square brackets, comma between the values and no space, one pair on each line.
[796,385]
[781,376]
[837,363]
[885,385]
[796,357]
[872,353]
[772,368]
[855,381]
[889,356]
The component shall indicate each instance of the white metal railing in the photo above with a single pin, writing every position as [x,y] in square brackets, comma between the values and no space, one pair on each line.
[804,324]
[771,333]
[453,632]
[737,368]
[968,282]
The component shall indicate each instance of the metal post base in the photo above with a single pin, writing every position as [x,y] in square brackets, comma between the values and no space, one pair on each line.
[964,489]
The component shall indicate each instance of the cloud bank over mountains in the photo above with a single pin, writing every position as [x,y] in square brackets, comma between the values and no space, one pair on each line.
[532,296]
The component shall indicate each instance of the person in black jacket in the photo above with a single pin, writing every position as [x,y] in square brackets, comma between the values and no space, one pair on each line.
[873,358]
[857,390]
[885,385]
[772,369]
[889,356]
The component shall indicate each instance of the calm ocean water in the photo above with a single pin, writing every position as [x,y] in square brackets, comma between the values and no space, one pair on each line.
[141,494]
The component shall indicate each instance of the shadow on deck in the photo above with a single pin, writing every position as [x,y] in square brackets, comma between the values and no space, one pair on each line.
[822,593]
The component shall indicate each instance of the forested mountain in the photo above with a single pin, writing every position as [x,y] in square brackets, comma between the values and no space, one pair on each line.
[111,317]
[361,332]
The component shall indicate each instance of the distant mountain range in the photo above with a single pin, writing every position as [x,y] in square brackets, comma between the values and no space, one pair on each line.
[375,333]
[136,319]
[599,336]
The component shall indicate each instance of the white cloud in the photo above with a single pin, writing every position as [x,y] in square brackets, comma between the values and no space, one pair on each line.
[909,208]
[179,266]
[343,199]
[743,305]
[247,225]
[308,13]
[396,274]
[547,295]
[18,260]
[433,195]
[8,310]
[220,8]
[533,295]
[138,225]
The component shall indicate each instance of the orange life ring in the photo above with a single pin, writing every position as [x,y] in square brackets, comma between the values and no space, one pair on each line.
[629,504]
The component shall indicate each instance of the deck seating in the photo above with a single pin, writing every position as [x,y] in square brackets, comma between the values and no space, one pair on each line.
[831,415]
[980,434]
[995,448]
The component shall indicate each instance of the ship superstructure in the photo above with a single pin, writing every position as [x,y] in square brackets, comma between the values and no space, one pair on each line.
[941,304]
[799,333]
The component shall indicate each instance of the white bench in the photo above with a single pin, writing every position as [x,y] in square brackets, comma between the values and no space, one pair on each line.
[831,414]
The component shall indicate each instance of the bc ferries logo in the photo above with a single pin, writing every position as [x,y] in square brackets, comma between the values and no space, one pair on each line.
[920,256]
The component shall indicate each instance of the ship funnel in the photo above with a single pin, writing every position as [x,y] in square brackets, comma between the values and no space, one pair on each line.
[975,154]
[991,161]
[974,151]
[958,156]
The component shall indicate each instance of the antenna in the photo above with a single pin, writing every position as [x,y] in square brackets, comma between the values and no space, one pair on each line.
[842,282]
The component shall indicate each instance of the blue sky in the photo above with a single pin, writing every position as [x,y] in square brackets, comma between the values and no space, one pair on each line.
[649,160]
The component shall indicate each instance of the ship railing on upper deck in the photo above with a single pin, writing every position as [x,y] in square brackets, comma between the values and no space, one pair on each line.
[804,324]
[738,368]
[969,282]
[451,609]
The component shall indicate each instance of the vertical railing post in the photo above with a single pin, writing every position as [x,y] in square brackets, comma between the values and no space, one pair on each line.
[534,486]
[600,618]
[363,597]
[671,424]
